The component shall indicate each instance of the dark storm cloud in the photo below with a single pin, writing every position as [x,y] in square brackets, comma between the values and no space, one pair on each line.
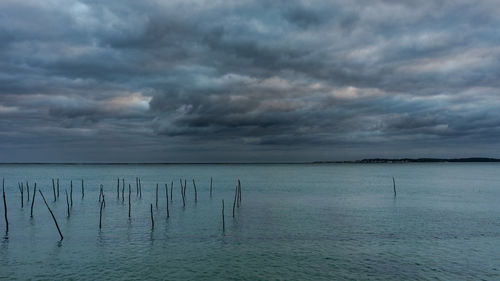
[247,80]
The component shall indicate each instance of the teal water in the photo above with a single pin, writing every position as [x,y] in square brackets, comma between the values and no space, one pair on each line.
[296,222]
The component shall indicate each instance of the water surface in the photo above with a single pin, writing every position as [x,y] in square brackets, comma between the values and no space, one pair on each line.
[296,222]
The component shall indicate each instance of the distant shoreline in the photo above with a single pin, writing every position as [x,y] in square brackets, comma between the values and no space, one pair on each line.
[363,161]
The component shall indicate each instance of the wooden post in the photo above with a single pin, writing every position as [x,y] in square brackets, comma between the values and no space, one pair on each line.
[239,191]
[171,191]
[83,190]
[182,194]
[210,187]
[71,193]
[52,214]
[140,188]
[152,219]
[100,214]
[21,189]
[156,196]
[235,198]
[28,189]
[129,194]
[67,202]
[5,207]
[394,186]
[136,186]
[195,192]
[166,192]
[54,190]
[57,188]
[123,190]
[118,189]
[33,200]
[223,222]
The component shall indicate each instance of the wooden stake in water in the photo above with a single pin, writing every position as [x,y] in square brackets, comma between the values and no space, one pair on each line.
[71,193]
[195,192]
[51,213]
[57,188]
[152,219]
[33,200]
[83,190]
[21,190]
[140,189]
[157,196]
[394,186]
[171,191]
[54,190]
[182,194]
[28,189]
[210,187]
[67,202]
[239,187]
[166,193]
[123,190]
[118,189]
[5,207]
[129,194]
[235,198]
[100,214]
[223,222]
[136,186]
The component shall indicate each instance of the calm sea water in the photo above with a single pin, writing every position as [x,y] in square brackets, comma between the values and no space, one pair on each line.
[296,222]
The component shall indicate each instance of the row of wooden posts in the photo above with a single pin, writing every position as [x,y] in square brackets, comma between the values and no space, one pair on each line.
[69,198]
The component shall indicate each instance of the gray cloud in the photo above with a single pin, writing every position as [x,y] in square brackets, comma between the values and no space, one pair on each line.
[247,81]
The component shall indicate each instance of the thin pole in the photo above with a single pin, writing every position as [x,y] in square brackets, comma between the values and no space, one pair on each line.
[195,192]
[100,214]
[223,222]
[118,189]
[5,207]
[28,189]
[182,194]
[83,190]
[152,219]
[394,186]
[166,192]
[210,187]
[140,189]
[171,191]
[52,214]
[33,200]
[21,189]
[57,188]
[235,198]
[123,190]
[67,202]
[137,186]
[129,194]
[157,196]
[71,193]
[54,190]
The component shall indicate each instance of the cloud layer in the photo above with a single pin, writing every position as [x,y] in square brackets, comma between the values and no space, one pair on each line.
[175,80]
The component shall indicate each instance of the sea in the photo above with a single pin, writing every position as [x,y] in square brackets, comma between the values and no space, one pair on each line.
[294,222]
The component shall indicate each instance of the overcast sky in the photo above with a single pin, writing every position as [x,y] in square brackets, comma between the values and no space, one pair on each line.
[215,81]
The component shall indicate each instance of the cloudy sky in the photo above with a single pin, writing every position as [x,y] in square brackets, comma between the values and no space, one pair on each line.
[215,81]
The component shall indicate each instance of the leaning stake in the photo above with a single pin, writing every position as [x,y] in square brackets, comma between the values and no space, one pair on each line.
[100,215]
[195,192]
[5,207]
[21,189]
[235,198]
[54,189]
[33,200]
[52,214]
[67,202]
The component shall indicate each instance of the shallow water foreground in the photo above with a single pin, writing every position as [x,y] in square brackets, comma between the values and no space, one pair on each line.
[296,222]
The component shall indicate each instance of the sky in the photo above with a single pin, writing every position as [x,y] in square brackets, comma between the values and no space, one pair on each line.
[248,81]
